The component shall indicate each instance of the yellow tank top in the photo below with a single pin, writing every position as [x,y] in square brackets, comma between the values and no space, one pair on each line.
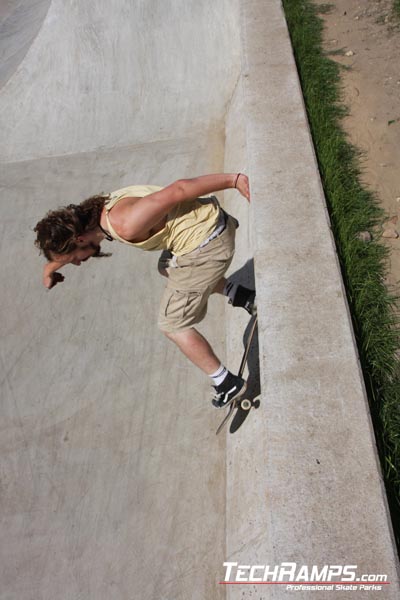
[188,224]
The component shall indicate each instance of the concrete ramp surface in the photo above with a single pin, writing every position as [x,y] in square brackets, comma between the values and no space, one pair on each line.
[20,22]
[112,481]
[112,478]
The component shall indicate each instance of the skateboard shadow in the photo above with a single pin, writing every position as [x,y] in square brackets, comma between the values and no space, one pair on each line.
[253,380]
[245,276]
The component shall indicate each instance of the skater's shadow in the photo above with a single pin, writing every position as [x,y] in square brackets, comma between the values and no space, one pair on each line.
[245,275]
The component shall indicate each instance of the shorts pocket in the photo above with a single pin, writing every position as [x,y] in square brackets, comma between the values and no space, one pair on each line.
[180,304]
[181,309]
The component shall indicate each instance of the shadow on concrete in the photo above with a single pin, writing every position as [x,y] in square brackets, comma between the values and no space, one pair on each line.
[245,276]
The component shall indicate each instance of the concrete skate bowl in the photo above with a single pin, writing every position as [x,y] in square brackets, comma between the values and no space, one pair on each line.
[20,22]
[113,482]
[108,449]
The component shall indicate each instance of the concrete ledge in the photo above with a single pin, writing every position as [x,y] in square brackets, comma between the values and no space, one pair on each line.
[313,492]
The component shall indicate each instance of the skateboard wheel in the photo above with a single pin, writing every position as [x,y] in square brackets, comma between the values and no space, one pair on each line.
[245,404]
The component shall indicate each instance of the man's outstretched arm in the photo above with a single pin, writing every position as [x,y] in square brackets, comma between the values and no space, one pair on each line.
[148,211]
[206,184]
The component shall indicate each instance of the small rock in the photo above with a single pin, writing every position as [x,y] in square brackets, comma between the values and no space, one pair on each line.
[398,199]
[390,233]
[350,53]
[364,236]
[389,228]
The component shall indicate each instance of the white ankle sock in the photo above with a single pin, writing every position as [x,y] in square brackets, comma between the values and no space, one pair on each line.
[219,375]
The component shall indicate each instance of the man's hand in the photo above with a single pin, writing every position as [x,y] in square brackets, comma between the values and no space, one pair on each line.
[50,281]
[50,275]
[242,185]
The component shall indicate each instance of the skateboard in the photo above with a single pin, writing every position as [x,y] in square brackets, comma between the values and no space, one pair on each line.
[241,403]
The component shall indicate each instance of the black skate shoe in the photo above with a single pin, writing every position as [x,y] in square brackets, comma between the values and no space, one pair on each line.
[246,299]
[231,388]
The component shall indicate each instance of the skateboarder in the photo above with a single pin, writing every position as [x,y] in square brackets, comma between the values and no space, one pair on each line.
[197,239]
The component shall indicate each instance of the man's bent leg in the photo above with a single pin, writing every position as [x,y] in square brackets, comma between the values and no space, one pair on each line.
[196,348]
[200,353]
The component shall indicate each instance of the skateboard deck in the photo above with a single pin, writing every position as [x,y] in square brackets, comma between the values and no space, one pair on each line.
[241,403]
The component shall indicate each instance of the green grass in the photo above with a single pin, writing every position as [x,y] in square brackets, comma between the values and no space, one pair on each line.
[354,209]
[396,7]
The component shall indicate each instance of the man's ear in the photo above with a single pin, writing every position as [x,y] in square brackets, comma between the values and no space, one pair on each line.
[80,239]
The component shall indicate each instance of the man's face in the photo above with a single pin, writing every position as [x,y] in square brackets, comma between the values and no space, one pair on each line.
[79,255]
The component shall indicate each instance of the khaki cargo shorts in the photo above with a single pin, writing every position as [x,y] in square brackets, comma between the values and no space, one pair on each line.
[193,278]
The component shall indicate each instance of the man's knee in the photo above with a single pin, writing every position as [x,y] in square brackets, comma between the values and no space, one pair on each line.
[168,334]
[171,335]
[176,336]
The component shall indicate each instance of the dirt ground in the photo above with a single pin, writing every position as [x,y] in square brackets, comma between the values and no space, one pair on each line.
[369,36]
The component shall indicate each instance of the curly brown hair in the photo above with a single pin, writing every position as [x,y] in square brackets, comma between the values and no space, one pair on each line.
[57,231]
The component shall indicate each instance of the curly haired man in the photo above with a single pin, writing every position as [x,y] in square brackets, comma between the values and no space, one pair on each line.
[197,240]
